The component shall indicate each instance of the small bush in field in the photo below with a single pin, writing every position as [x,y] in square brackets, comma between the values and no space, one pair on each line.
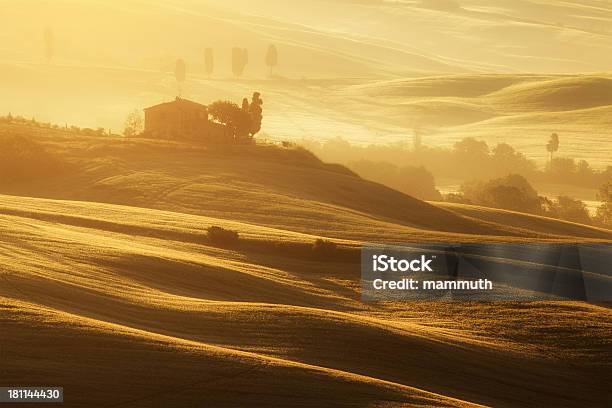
[323,248]
[287,145]
[222,236]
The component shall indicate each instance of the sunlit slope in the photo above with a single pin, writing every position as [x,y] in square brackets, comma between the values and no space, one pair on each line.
[496,35]
[502,94]
[146,369]
[277,187]
[521,110]
[520,221]
[556,95]
[155,291]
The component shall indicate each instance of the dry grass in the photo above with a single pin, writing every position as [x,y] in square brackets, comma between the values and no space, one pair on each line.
[110,288]
[148,291]
[168,319]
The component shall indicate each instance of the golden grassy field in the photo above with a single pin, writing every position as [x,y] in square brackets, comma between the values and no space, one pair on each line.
[108,283]
[110,288]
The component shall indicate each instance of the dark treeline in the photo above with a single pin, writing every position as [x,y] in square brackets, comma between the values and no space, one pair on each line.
[513,192]
[243,121]
[239,58]
[33,123]
[496,177]
[468,159]
[239,62]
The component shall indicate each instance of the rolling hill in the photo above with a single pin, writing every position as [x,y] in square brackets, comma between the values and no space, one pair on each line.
[111,287]
[243,320]
[111,249]
[522,110]
[264,184]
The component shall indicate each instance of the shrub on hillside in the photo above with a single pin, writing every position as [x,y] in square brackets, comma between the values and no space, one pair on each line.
[567,208]
[324,249]
[221,236]
[604,212]
[238,120]
[515,193]
[512,192]
[456,198]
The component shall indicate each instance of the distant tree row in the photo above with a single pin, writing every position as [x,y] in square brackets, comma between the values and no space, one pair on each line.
[514,192]
[33,123]
[240,59]
[468,158]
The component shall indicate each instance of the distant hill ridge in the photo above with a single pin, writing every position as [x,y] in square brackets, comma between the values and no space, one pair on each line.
[269,185]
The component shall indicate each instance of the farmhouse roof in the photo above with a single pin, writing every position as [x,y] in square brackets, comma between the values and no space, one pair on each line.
[180,102]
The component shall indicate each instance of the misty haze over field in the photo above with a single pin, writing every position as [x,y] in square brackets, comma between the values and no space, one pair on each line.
[366,71]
